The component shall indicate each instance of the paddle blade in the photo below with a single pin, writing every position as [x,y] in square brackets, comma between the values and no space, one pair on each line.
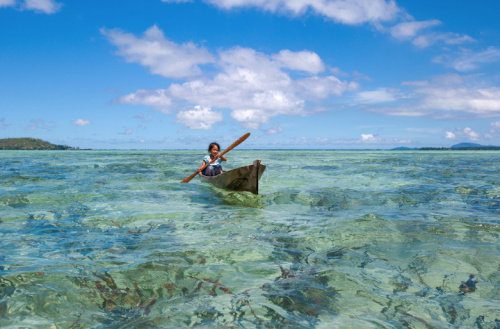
[232,146]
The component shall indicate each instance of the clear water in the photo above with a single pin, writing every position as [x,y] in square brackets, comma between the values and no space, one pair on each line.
[337,239]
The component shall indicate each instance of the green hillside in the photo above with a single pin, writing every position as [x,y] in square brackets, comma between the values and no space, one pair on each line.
[29,144]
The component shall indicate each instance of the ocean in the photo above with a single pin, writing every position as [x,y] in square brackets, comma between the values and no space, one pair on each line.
[335,239]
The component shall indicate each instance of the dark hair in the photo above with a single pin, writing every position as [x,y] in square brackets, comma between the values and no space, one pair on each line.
[211,146]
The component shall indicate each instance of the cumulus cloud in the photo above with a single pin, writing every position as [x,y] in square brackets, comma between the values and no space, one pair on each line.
[301,61]
[199,117]
[158,99]
[372,139]
[317,88]
[346,12]
[254,86]
[471,134]
[81,122]
[450,135]
[466,133]
[368,138]
[160,55]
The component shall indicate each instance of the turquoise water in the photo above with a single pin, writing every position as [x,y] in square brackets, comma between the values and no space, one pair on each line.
[336,239]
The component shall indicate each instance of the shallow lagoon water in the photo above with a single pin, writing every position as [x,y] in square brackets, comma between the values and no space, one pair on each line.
[336,239]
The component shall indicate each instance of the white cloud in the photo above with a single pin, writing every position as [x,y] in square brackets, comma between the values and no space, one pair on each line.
[40,6]
[408,30]
[466,133]
[450,135]
[252,85]
[81,122]
[251,118]
[448,38]
[377,96]
[199,117]
[416,32]
[447,96]
[158,99]
[346,12]
[7,3]
[372,139]
[368,138]
[44,6]
[468,60]
[473,136]
[482,102]
[160,55]
[301,61]
[316,88]
[322,139]
[274,131]
[495,126]
[354,12]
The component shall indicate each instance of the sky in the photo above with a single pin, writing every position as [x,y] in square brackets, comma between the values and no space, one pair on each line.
[296,74]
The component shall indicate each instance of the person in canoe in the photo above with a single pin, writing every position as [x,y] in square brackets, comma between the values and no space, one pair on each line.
[215,168]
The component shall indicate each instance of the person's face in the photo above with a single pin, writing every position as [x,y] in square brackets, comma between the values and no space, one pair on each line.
[214,151]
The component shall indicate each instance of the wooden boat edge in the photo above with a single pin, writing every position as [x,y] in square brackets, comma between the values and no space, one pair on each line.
[244,178]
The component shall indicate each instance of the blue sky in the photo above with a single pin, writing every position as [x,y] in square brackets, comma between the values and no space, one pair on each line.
[320,74]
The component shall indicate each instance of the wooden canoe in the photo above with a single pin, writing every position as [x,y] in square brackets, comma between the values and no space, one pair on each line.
[239,179]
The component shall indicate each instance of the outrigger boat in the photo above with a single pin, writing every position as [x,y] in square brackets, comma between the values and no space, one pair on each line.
[239,179]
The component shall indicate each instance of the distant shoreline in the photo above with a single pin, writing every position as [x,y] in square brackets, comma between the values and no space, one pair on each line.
[28,143]
[284,150]
[35,144]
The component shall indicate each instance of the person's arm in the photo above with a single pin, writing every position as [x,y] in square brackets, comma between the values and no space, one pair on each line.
[199,169]
[223,158]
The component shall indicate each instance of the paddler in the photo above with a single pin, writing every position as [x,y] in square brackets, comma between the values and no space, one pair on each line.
[215,167]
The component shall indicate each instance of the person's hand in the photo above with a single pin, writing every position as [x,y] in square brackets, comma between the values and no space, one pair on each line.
[198,170]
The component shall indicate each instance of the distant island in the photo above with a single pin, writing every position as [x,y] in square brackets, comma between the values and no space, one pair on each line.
[456,147]
[28,143]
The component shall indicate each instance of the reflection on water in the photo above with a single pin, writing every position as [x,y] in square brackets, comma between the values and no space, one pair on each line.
[110,239]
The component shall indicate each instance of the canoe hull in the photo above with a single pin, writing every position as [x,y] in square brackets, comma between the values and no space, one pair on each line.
[239,179]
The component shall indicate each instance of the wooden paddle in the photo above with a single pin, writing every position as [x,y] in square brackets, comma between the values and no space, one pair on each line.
[232,146]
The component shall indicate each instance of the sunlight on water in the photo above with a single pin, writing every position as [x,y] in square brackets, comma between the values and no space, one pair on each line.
[359,239]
